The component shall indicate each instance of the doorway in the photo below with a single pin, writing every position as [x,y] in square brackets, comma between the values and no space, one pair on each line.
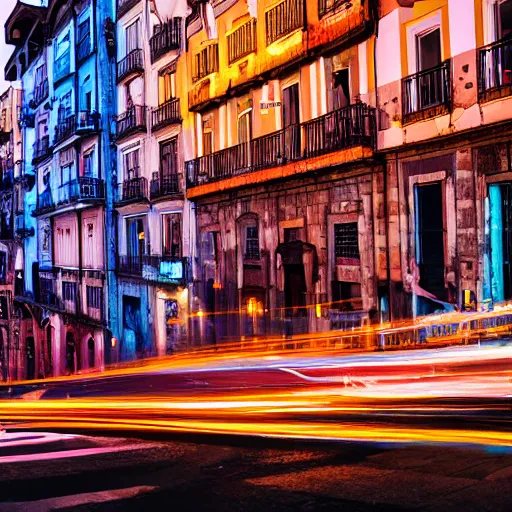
[430,238]
[295,289]
[291,119]
[70,353]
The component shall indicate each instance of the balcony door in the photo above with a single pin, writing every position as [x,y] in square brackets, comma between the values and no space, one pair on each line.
[244,139]
[135,244]
[291,120]
[133,37]
[500,19]
[169,167]
[429,85]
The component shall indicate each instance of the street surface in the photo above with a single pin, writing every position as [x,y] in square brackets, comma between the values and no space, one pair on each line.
[104,474]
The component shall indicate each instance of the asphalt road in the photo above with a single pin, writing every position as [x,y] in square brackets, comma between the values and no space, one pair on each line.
[46,472]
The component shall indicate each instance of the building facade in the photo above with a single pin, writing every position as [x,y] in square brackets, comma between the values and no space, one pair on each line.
[152,214]
[62,61]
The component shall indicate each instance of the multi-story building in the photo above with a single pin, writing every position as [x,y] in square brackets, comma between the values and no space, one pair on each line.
[444,92]
[63,60]
[15,359]
[153,242]
[284,176]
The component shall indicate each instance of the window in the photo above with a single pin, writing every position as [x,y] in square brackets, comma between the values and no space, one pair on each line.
[131,165]
[46,286]
[291,235]
[252,243]
[66,165]
[169,158]
[346,241]
[341,88]
[132,35]
[135,237]
[209,246]
[503,18]
[207,135]
[94,297]
[3,267]
[84,39]
[172,235]
[65,109]
[428,49]
[88,164]
[245,127]
[167,86]
[69,290]
[41,75]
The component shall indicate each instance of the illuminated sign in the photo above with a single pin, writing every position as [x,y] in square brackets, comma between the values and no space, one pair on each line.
[171,269]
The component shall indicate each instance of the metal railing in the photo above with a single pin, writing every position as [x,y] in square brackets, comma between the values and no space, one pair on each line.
[166,39]
[427,89]
[123,6]
[205,62]
[62,66]
[131,121]
[282,19]
[132,63]
[41,148]
[165,185]
[81,188]
[157,268]
[495,69]
[41,92]
[97,314]
[242,41]
[133,190]
[347,127]
[166,114]
[328,6]
[83,121]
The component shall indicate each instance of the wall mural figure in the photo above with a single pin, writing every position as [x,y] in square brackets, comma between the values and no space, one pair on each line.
[46,200]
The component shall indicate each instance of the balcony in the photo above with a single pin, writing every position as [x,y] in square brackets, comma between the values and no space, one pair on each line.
[283,19]
[165,185]
[41,92]
[205,62]
[427,93]
[130,65]
[132,191]
[165,39]
[341,129]
[166,114]
[41,149]
[96,314]
[85,121]
[495,70]
[123,6]
[242,41]
[82,189]
[20,228]
[132,121]
[48,294]
[62,67]
[155,268]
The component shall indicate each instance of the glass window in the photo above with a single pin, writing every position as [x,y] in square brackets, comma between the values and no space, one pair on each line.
[94,297]
[252,243]
[132,37]
[172,235]
[131,165]
[346,240]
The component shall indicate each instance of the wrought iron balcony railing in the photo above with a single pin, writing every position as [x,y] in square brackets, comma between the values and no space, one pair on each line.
[83,122]
[495,70]
[80,189]
[132,64]
[166,38]
[41,92]
[166,114]
[165,185]
[427,92]
[344,128]
[133,190]
[205,62]
[41,149]
[131,121]
[157,268]
[123,6]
